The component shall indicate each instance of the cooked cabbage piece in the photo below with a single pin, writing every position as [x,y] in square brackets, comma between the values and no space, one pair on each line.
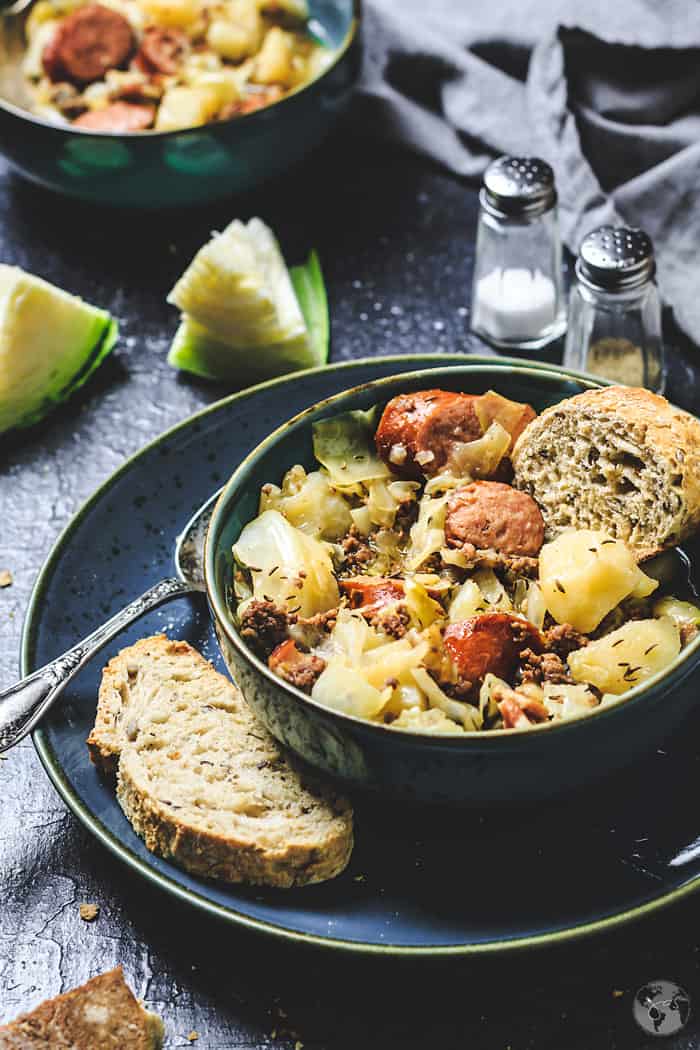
[465,715]
[627,656]
[680,612]
[344,445]
[346,689]
[384,497]
[585,574]
[309,502]
[427,535]
[568,701]
[287,567]
[479,458]
[467,602]
[432,721]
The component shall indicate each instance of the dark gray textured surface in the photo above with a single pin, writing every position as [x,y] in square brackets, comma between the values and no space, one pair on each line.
[395,238]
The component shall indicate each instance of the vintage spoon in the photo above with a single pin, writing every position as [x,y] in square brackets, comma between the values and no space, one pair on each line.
[24,704]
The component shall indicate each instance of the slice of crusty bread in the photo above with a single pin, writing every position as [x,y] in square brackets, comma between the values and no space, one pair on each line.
[100,1015]
[622,460]
[203,783]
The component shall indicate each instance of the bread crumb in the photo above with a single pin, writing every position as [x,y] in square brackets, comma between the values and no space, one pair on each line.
[89,912]
[617,993]
[5,578]
[193,1036]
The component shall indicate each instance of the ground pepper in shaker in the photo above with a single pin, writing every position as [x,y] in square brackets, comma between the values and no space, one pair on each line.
[517,298]
[615,311]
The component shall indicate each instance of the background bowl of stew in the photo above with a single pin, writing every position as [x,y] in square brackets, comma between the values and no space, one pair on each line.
[477,768]
[155,169]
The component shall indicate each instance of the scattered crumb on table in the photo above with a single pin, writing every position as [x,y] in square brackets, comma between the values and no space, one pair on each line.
[193,1036]
[617,993]
[5,578]
[89,912]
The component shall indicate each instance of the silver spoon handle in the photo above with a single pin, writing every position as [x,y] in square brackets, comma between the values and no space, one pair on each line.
[23,704]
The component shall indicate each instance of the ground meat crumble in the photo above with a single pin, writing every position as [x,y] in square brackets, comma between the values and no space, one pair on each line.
[357,552]
[518,565]
[543,667]
[563,639]
[393,620]
[302,672]
[264,626]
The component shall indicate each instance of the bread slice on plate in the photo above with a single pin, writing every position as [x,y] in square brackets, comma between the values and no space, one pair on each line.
[620,459]
[103,1014]
[201,780]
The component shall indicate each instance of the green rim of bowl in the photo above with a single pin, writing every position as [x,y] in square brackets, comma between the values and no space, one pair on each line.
[230,915]
[340,52]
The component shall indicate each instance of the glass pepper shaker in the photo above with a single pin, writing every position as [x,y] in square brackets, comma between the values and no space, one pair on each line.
[517,297]
[615,311]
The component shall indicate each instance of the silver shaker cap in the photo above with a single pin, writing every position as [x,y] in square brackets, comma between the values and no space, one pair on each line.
[616,259]
[518,187]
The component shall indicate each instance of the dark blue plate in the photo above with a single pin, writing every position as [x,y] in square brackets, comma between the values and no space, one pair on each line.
[419,882]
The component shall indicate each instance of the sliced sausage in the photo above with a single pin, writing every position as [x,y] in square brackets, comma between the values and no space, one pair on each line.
[162,50]
[518,711]
[417,431]
[489,515]
[87,43]
[295,666]
[251,102]
[371,592]
[489,643]
[117,118]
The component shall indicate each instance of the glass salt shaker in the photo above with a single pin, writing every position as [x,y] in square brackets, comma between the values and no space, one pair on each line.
[517,297]
[615,311]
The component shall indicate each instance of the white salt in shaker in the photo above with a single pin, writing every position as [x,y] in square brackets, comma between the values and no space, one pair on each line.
[517,297]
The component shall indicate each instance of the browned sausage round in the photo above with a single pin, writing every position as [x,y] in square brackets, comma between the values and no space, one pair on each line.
[162,50]
[117,118]
[490,515]
[491,642]
[417,431]
[87,43]
[371,592]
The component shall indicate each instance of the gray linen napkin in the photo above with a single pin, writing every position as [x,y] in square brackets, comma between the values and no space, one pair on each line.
[607,91]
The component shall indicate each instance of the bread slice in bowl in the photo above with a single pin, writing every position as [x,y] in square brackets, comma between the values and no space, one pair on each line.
[621,460]
[203,782]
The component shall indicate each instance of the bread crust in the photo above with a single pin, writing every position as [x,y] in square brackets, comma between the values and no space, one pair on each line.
[657,427]
[312,849]
[102,1014]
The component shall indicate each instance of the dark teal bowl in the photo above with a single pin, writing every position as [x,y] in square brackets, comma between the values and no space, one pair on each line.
[478,768]
[162,169]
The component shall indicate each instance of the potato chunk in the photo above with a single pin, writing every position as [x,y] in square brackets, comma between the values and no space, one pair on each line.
[172,14]
[627,656]
[187,107]
[585,574]
[274,63]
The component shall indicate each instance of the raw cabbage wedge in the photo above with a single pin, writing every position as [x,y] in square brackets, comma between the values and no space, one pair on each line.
[287,567]
[245,317]
[50,343]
